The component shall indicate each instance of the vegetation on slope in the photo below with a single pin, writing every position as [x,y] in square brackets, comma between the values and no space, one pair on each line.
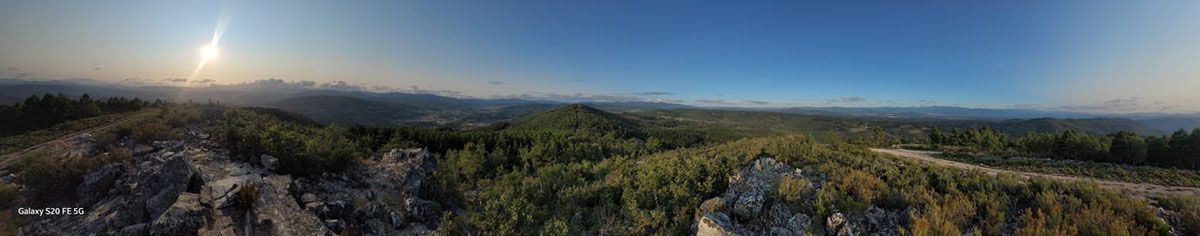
[49,110]
[1178,150]
[598,173]
[578,118]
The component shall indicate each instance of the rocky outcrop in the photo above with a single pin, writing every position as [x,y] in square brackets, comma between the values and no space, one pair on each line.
[383,196]
[750,206]
[183,187]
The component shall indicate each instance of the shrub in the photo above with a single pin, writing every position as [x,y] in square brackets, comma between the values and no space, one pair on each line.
[794,189]
[150,131]
[49,178]
[1188,208]
[8,195]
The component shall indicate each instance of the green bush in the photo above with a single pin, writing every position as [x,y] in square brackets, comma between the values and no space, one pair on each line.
[794,189]
[1188,208]
[8,195]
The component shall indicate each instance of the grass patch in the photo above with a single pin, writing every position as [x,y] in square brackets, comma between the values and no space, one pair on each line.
[15,143]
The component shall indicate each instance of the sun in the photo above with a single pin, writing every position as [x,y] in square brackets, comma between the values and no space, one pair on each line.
[208,52]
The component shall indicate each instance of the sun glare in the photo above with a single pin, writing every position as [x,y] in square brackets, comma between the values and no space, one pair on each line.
[208,52]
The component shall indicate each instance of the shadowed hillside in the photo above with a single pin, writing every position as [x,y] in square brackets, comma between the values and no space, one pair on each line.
[578,118]
[1090,126]
[344,109]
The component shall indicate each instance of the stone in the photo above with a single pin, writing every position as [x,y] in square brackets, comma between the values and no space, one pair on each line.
[716,224]
[136,229]
[715,204]
[96,183]
[142,149]
[748,204]
[837,224]
[185,217]
[746,208]
[307,198]
[799,223]
[269,162]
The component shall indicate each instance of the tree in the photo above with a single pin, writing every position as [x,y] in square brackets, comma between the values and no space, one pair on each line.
[1127,148]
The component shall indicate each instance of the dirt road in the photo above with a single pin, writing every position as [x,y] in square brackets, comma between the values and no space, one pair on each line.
[7,159]
[1138,189]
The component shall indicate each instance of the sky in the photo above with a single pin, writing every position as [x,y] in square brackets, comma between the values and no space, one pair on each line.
[1079,55]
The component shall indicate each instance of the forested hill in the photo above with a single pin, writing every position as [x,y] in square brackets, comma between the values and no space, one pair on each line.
[1097,126]
[1171,124]
[346,109]
[578,118]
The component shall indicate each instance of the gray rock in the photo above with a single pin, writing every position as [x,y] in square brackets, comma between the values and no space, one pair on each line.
[137,229]
[142,149]
[716,224]
[837,224]
[747,206]
[799,223]
[307,198]
[269,162]
[185,217]
[97,182]
[881,222]
[276,213]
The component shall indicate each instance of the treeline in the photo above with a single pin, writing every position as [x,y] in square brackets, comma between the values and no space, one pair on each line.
[50,109]
[1181,149]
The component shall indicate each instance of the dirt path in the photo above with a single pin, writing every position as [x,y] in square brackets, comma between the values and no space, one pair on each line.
[6,159]
[1138,189]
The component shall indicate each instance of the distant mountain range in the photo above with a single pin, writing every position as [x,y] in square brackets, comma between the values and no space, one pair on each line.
[349,106]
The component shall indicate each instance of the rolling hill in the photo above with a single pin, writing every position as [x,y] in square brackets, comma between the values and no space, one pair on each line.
[1097,126]
[577,118]
[1171,124]
[345,109]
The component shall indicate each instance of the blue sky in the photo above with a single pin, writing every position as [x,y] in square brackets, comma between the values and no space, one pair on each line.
[1116,56]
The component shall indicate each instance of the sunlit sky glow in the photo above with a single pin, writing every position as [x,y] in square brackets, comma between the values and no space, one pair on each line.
[1087,55]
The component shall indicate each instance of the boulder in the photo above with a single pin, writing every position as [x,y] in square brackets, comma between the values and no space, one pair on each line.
[747,208]
[97,183]
[268,162]
[837,224]
[185,217]
[748,204]
[799,223]
[716,224]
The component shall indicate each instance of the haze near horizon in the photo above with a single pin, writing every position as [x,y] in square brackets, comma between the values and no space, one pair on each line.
[1094,56]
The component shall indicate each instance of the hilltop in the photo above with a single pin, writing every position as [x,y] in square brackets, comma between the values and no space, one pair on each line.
[577,118]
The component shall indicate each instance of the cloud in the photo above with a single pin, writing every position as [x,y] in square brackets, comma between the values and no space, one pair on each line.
[175,80]
[495,82]
[724,102]
[1117,104]
[578,97]
[1026,106]
[653,93]
[924,102]
[203,81]
[25,75]
[1170,108]
[139,81]
[854,99]
[715,101]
